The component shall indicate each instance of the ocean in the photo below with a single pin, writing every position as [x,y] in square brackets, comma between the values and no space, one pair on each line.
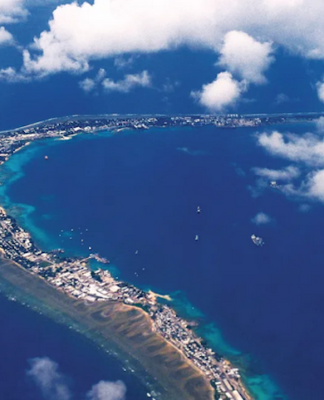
[27,335]
[133,198]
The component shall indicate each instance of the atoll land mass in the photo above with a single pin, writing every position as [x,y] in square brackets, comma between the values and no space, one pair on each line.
[123,315]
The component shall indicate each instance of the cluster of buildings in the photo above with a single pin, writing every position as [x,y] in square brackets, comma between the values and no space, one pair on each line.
[176,330]
[11,141]
[74,277]
[15,242]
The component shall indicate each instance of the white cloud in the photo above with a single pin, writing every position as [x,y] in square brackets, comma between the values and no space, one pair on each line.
[308,148]
[129,82]
[107,391]
[12,11]
[124,62]
[241,54]
[261,219]
[45,373]
[222,93]
[311,188]
[320,90]
[285,174]
[241,31]
[279,6]
[53,384]
[89,84]
[80,33]
[12,76]
[5,37]
[314,185]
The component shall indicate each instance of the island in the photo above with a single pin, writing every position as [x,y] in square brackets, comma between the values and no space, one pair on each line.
[142,327]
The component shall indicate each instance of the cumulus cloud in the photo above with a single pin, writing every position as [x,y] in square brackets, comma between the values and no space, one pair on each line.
[244,34]
[308,148]
[53,384]
[45,373]
[129,82]
[311,187]
[12,76]
[223,92]
[285,174]
[261,219]
[89,84]
[107,391]
[5,37]
[124,62]
[78,33]
[314,185]
[241,54]
[12,11]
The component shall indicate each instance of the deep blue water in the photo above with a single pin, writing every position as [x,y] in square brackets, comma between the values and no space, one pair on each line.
[140,191]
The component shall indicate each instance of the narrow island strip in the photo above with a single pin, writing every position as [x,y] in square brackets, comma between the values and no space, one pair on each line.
[163,343]
[134,320]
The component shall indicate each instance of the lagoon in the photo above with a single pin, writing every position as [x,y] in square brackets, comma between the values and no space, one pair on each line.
[133,197]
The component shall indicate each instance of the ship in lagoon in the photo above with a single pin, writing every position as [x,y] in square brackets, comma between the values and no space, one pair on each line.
[258,241]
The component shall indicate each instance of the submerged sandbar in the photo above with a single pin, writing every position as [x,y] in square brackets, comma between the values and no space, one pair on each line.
[127,327]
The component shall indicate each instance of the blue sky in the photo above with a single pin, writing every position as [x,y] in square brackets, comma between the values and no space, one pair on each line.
[138,56]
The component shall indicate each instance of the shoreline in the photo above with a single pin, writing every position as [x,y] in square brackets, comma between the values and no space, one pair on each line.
[155,296]
[152,298]
[308,115]
[109,320]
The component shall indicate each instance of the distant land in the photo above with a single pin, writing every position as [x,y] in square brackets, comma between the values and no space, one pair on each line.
[114,121]
[135,321]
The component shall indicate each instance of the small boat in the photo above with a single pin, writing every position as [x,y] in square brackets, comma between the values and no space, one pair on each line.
[198,210]
[257,240]
[46,157]
[196,237]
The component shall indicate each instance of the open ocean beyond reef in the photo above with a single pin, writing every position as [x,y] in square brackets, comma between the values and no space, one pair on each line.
[139,191]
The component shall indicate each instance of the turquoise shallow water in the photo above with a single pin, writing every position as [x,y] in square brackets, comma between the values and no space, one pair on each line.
[123,188]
